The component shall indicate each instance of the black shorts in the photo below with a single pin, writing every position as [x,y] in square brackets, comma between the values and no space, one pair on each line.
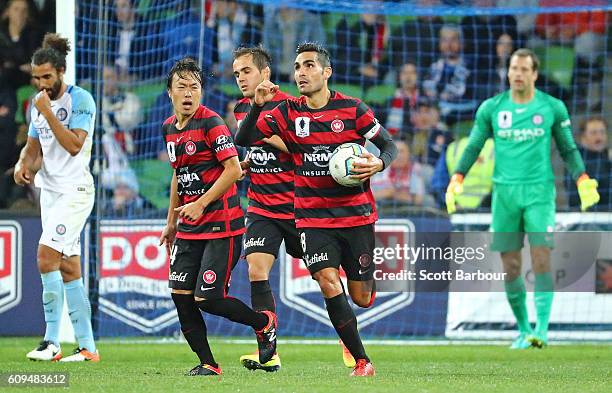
[204,266]
[264,234]
[352,248]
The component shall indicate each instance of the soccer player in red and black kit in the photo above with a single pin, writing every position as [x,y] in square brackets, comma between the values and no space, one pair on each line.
[270,218]
[205,246]
[336,223]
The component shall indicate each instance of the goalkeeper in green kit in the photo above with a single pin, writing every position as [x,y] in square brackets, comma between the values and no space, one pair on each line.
[522,121]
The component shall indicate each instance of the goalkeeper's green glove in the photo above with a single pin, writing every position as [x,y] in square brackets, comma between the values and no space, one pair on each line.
[455,187]
[587,189]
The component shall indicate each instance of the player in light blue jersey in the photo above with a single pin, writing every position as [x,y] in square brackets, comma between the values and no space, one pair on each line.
[61,131]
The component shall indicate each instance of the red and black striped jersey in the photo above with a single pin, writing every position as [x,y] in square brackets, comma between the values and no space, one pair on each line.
[311,135]
[196,153]
[272,170]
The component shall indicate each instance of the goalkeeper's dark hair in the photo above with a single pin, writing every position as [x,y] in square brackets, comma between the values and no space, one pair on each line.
[184,66]
[323,56]
[524,52]
[54,50]
[261,57]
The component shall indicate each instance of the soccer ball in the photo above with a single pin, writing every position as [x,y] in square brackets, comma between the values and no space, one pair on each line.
[341,161]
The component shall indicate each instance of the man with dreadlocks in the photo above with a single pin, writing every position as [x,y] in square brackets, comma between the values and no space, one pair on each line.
[61,130]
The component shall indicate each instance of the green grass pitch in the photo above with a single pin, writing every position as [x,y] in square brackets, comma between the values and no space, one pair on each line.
[318,368]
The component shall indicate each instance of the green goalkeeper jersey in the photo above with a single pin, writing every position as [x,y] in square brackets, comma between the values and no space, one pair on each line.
[522,135]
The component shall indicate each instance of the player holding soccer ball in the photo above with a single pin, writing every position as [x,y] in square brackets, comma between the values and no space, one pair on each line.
[270,218]
[336,223]
[522,122]
[61,129]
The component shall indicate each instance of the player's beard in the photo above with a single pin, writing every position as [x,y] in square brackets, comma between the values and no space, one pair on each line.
[55,90]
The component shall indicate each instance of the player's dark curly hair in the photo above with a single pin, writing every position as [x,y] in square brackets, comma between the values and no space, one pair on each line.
[322,54]
[261,57]
[54,50]
[186,65]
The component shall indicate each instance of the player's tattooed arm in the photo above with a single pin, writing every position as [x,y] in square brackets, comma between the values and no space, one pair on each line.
[71,140]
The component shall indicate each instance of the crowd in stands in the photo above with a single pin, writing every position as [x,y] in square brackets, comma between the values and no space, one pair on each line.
[22,26]
[424,77]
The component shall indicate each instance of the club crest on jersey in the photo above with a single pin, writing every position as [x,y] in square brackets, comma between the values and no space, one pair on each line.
[337,125]
[365,260]
[190,148]
[537,119]
[61,114]
[209,277]
[302,127]
[504,119]
[60,229]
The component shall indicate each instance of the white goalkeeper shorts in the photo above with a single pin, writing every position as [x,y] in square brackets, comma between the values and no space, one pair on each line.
[63,217]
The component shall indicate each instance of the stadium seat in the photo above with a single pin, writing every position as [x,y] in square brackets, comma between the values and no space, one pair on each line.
[462,128]
[557,62]
[143,6]
[347,89]
[147,92]
[398,20]
[331,20]
[453,19]
[289,88]
[229,89]
[23,94]
[378,95]
[154,178]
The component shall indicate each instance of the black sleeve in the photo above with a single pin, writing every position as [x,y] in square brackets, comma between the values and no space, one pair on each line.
[247,133]
[384,142]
